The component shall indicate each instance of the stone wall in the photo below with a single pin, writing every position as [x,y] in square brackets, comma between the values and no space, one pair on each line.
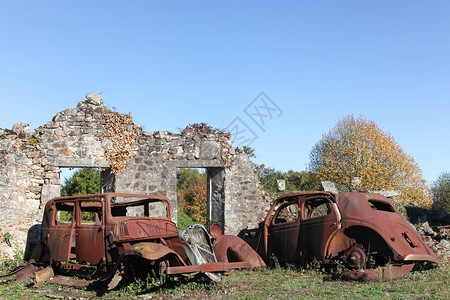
[21,179]
[91,135]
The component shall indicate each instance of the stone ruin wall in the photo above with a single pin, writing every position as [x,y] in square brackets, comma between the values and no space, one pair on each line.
[30,165]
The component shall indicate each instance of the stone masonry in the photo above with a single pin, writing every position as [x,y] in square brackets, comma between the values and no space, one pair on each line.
[132,161]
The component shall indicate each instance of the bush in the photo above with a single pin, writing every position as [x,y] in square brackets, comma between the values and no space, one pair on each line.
[441,192]
[184,220]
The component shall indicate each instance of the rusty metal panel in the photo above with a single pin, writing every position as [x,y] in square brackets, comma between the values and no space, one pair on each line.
[89,236]
[90,244]
[207,268]
[20,275]
[319,221]
[284,231]
[59,242]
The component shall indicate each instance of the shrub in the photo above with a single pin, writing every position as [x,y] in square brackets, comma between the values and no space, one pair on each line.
[441,191]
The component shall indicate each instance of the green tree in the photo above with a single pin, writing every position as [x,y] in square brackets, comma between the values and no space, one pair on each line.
[249,151]
[295,181]
[441,191]
[302,181]
[357,147]
[83,181]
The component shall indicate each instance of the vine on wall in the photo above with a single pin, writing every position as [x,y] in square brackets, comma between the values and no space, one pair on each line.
[124,134]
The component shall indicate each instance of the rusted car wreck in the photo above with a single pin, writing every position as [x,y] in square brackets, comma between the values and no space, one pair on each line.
[363,232]
[112,236]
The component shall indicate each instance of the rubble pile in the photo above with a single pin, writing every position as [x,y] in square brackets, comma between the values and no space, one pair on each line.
[438,239]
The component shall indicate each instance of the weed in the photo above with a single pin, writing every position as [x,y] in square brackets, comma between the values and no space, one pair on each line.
[132,289]
[274,262]
[34,141]
[389,270]
[379,271]
[9,264]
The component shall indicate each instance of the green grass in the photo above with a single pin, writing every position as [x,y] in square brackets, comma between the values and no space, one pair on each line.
[19,291]
[278,283]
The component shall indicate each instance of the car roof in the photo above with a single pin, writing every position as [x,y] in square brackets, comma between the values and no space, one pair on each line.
[305,193]
[110,195]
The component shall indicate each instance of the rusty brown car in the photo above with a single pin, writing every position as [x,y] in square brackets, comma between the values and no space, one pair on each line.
[113,236]
[363,232]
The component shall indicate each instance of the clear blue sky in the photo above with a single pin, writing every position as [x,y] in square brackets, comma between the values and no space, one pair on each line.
[171,63]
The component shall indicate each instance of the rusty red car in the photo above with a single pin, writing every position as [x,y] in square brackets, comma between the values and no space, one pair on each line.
[112,237]
[363,232]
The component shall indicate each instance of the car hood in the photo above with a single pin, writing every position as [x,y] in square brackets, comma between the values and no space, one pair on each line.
[126,228]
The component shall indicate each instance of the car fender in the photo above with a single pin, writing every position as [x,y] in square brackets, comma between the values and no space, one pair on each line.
[342,240]
[152,252]
[230,248]
[392,241]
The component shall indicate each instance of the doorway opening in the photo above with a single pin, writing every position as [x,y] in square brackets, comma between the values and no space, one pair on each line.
[192,195]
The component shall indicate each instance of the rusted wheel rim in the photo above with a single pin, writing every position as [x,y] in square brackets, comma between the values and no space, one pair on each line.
[355,257]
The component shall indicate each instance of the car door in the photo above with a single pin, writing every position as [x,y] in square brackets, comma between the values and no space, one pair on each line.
[319,220]
[61,232]
[90,245]
[284,231]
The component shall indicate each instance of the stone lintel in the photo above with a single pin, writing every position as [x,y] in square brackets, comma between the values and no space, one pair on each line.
[76,163]
[196,163]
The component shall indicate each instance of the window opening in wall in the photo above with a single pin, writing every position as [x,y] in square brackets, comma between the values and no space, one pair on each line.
[79,181]
[192,195]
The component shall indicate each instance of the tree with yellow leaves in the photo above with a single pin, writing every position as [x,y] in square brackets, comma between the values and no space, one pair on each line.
[357,147]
